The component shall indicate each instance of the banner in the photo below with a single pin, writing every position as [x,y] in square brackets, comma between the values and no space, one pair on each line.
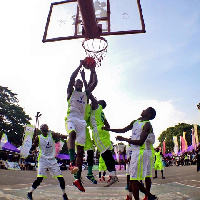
[4,139]
[163,149]
[186,145]
[175,144]
[27,142]
[183,145]
[193,139]
[196,134]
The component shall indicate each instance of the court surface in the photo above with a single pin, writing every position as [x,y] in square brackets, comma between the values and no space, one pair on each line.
[181,183]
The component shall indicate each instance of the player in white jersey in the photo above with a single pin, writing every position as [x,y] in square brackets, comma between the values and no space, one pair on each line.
[46,159]
[140,131]
[75,122]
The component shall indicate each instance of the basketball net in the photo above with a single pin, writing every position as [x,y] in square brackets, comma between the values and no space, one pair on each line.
[96,48]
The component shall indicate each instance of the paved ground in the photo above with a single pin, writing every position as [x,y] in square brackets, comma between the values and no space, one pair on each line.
[181,183]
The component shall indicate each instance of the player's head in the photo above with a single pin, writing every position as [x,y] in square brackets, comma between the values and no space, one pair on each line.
[44,128]
[149,113]
[78,85]
[157,149]
[102,103]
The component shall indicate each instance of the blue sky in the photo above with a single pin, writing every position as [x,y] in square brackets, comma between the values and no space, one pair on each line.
[160,68]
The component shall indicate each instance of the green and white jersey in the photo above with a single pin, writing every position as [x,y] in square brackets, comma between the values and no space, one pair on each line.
[87,114]
[97,117]
[136,132]
[77,104]
[46,147]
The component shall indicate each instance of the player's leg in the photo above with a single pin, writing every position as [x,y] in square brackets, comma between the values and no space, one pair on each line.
[102,168]
[155,174]
[55,171]
[102,141]
[62,186]
[42,173]
[110,164]
[90,161]
[79,163]
[35,184]
[70,128]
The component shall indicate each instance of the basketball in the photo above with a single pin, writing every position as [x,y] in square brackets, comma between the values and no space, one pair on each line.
[89,63]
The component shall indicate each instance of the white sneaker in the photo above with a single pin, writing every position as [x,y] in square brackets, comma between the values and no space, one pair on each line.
[111,180]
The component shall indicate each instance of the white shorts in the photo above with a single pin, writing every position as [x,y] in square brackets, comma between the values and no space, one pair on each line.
[127,168]
[79,126]
[51,165]
[137,167]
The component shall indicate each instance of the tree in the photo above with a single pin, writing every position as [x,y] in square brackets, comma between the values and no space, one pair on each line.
[12,116]
[177,130]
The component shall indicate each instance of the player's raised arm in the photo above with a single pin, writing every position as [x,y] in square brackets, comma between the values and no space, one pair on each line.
[94,102]
[60,136]
[72,81]
[144,134]
[92,83]
[83,79]
[122,130]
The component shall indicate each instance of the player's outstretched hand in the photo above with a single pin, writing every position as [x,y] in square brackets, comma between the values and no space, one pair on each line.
[83,74]
[120,138]
[81,62]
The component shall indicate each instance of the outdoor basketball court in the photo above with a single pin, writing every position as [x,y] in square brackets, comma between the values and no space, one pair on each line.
[181,183]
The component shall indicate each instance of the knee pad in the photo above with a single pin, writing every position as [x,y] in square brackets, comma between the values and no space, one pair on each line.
[37,182]
[90,157]
[62,182]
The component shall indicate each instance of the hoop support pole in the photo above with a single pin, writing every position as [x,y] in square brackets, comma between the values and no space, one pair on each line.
[89,19]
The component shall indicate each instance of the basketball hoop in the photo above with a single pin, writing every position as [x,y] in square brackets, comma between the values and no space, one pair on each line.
[95,48]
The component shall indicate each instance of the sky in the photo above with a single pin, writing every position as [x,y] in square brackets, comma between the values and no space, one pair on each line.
[160,68]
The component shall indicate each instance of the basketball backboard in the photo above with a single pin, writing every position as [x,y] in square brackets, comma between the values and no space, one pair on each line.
[114,17]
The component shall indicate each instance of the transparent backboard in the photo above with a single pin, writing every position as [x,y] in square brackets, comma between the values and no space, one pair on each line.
[115,17]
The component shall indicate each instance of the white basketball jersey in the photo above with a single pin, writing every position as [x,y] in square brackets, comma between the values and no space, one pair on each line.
[149,141]
[46,146]
[77,104]
[136,132]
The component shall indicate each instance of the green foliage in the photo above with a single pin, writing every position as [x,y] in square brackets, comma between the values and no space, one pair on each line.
[177,130]
[12,116]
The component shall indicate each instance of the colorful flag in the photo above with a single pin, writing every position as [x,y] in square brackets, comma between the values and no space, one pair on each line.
[175,144]
[183,145]
[4,139]
[27,142]
[186,145]
[163,151]
[196,134]
[193,139]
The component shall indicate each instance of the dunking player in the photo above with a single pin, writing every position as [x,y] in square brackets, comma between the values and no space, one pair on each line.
[46,159]
[102,137]
[140,130]
[75,122]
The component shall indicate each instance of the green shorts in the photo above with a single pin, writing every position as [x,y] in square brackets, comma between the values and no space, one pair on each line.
[101,139]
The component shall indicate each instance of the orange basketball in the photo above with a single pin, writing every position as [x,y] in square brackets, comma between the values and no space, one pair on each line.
[89,63]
